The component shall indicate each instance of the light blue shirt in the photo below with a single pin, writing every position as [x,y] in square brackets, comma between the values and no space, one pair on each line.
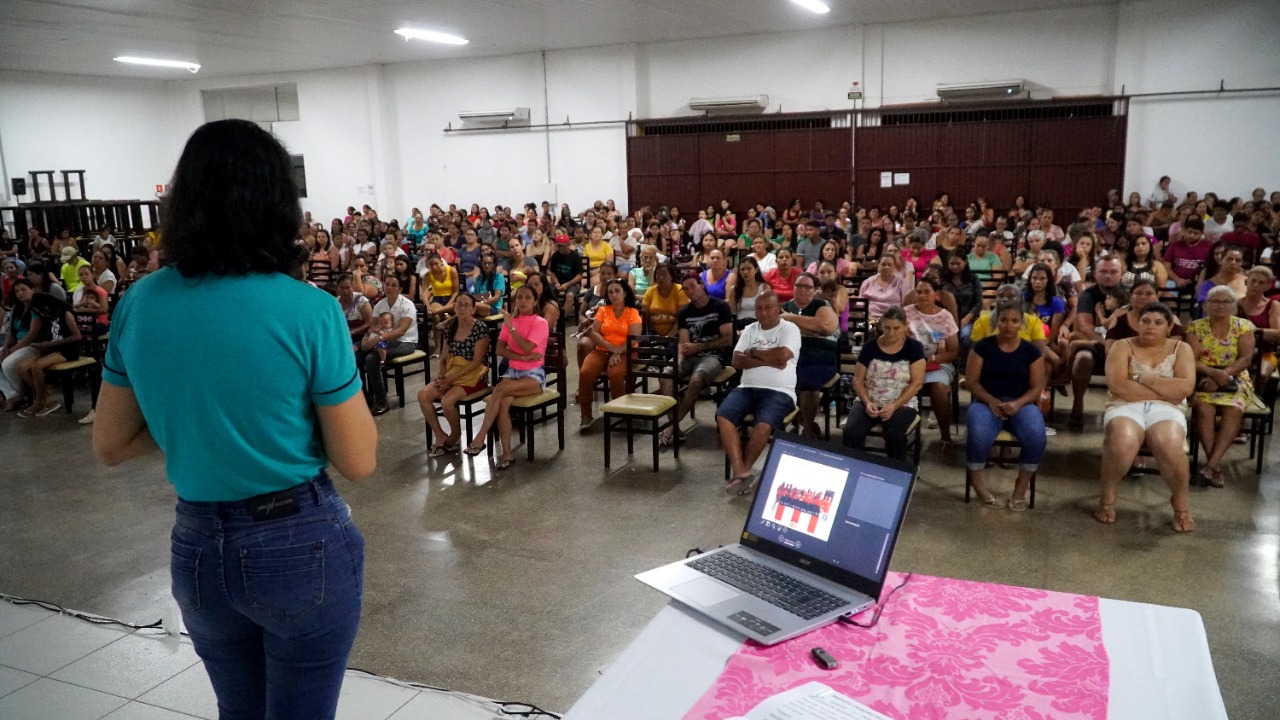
[228,371]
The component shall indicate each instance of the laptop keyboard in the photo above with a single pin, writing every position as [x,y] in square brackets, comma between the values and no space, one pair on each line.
[796,597]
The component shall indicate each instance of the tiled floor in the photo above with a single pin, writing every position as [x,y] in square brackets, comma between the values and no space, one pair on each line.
[518,584]
[55,667]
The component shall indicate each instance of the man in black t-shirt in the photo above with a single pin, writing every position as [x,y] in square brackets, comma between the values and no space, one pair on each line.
[564,270]
[706,332]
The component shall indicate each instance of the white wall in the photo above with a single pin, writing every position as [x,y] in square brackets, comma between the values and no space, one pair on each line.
[1224,143]
[376,134]
[118,131]
[335,134]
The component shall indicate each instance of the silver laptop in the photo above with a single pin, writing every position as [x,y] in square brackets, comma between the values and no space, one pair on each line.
[816,544]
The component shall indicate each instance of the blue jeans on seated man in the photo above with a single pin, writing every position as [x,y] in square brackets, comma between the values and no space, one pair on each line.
[272,605]
[895,429]
[1027,425]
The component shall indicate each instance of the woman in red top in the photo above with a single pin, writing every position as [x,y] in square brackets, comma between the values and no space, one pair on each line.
[613,324]
[783,278]
[1264,313]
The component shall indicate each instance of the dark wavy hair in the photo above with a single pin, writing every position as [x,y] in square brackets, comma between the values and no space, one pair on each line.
[233,208]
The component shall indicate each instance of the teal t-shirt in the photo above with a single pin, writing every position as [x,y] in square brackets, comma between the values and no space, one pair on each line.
[228,371]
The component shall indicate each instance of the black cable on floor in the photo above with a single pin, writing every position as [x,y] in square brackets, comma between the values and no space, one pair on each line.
[504,707]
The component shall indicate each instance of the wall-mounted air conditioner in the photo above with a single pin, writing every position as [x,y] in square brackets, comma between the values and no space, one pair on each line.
[743,103]
[511,115]
[992,90]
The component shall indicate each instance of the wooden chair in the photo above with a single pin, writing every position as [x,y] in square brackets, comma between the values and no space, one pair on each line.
[471,406]
[88,366]
[649,357]
[415,363]
[1004,439]
[914,440]
[550,404]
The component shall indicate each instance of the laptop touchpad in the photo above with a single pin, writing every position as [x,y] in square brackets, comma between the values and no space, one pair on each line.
[704,591]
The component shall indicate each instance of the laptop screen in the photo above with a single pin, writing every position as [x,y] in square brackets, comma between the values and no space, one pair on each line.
[841,510]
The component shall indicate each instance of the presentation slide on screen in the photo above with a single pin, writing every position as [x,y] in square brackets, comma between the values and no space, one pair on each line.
[804,496]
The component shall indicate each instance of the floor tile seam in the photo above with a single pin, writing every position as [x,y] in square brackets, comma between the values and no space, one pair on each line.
[140,694]
[159,707]
[35,678]
[85,687]
[73,662]
[400,707]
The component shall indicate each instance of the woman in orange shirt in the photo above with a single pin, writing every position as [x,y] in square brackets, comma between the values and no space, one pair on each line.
[613,324]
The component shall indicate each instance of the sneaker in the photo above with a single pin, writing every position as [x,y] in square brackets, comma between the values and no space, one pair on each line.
[87,419]
[1050,432]
[49,409]
[586,423]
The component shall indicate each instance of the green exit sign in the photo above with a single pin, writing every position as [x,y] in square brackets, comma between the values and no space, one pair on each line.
[732,138]
[855,94]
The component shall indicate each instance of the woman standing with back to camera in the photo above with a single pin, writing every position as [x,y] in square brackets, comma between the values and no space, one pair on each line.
[266,562]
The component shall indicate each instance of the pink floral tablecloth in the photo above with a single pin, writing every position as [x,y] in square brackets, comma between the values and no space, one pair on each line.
[943,648]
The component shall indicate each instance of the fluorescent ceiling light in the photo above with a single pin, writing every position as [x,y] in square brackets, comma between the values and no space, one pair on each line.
[813,5]
[188,66]
[431,35]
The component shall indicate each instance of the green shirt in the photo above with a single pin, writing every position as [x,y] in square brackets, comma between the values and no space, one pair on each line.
[71,274]
[228,372]
[987,263]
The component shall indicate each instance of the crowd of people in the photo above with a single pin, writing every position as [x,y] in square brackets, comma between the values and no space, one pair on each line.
[923,293]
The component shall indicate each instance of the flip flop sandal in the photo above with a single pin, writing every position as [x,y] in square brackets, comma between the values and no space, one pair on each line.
[474,450]
[504,463]
[438,451]
[26,413]
[748,487]
[737,483]
[1017,505]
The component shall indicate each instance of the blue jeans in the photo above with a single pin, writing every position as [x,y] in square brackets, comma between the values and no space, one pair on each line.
[272,605]
[1027,425]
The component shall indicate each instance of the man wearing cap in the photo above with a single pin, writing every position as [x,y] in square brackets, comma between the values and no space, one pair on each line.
[706,332]
[564,270]
[70,273]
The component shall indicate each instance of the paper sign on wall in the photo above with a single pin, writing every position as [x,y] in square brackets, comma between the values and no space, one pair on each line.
[902,178]
[886,179]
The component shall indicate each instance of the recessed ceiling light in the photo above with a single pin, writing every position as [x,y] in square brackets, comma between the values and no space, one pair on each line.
[188,66]
[813,5]
[431,35]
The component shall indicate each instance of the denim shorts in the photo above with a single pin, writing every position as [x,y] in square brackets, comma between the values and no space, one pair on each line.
[768,406]
[538,373]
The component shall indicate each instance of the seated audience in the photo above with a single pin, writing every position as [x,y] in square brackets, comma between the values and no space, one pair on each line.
[401,340]
[1032,330]
[959,282]
[71,264]
[564,272]
[766,355]
[819,329]
[1264,313]
[1223,346]
[523,342]
[716,277]
[1124,324]
[884,289]
[886,380]
[463,368]
[488,287]
[1006,376]
[614,322]
[1148,380]
[662,301]
[706,332]
[1229,273]
[91,299]
[782,278]
[744,286]
[935,328]
[49,335]
[356,308]
[833,291]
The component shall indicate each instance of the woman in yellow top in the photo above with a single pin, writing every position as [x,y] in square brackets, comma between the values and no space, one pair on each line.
[663,300]
[596,250]
[614,323]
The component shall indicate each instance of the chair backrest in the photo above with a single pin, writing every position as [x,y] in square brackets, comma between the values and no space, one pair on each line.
[651,357]
[859,314]
[553,364]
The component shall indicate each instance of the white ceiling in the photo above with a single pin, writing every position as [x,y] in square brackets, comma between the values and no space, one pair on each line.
[243,37]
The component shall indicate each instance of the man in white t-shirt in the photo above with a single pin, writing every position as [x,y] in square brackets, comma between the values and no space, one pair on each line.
[766,354]
[1219,223]
[401,340]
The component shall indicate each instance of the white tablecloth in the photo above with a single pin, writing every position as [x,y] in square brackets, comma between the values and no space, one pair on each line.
[1160,666]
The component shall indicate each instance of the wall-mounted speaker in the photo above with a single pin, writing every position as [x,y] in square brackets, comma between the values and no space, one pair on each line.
[19,185]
